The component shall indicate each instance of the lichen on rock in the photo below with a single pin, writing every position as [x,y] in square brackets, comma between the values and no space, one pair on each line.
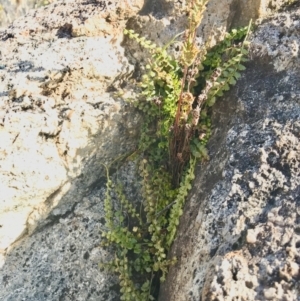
[60,120]
[239,236]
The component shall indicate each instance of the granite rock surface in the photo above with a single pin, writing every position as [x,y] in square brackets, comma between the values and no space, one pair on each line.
[61,260]
[60,119]
[239,237]
[59,116]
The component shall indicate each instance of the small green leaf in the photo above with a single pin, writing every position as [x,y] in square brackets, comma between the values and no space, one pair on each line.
[226,87]
[195,152]
[232,81]
[204,153]
[244,59]
[225,73]
[197,143]
[152,73]
[220,93]
[241,67]
[237,75]
[211,101]
[237,58]
[244,51]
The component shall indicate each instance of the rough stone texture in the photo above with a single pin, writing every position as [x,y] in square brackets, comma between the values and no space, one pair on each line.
[60,119]
[161,20]
[246,10]
[280,40]
[61,260]
[64,269]
[13,9]
[239,237]
[57,112]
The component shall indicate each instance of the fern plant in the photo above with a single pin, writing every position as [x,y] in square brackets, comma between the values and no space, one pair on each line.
[161,86]
[176,100]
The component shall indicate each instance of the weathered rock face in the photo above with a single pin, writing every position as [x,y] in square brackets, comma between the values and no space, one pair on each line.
[13,9]
[239,238]
[60,119]
[61,260]
[161,20]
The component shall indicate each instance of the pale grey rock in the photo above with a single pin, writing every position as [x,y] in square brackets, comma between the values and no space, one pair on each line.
[239,237]
[162,20]
[61,260]
[58,66]
[59,120]
[13,9]
[279,38]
